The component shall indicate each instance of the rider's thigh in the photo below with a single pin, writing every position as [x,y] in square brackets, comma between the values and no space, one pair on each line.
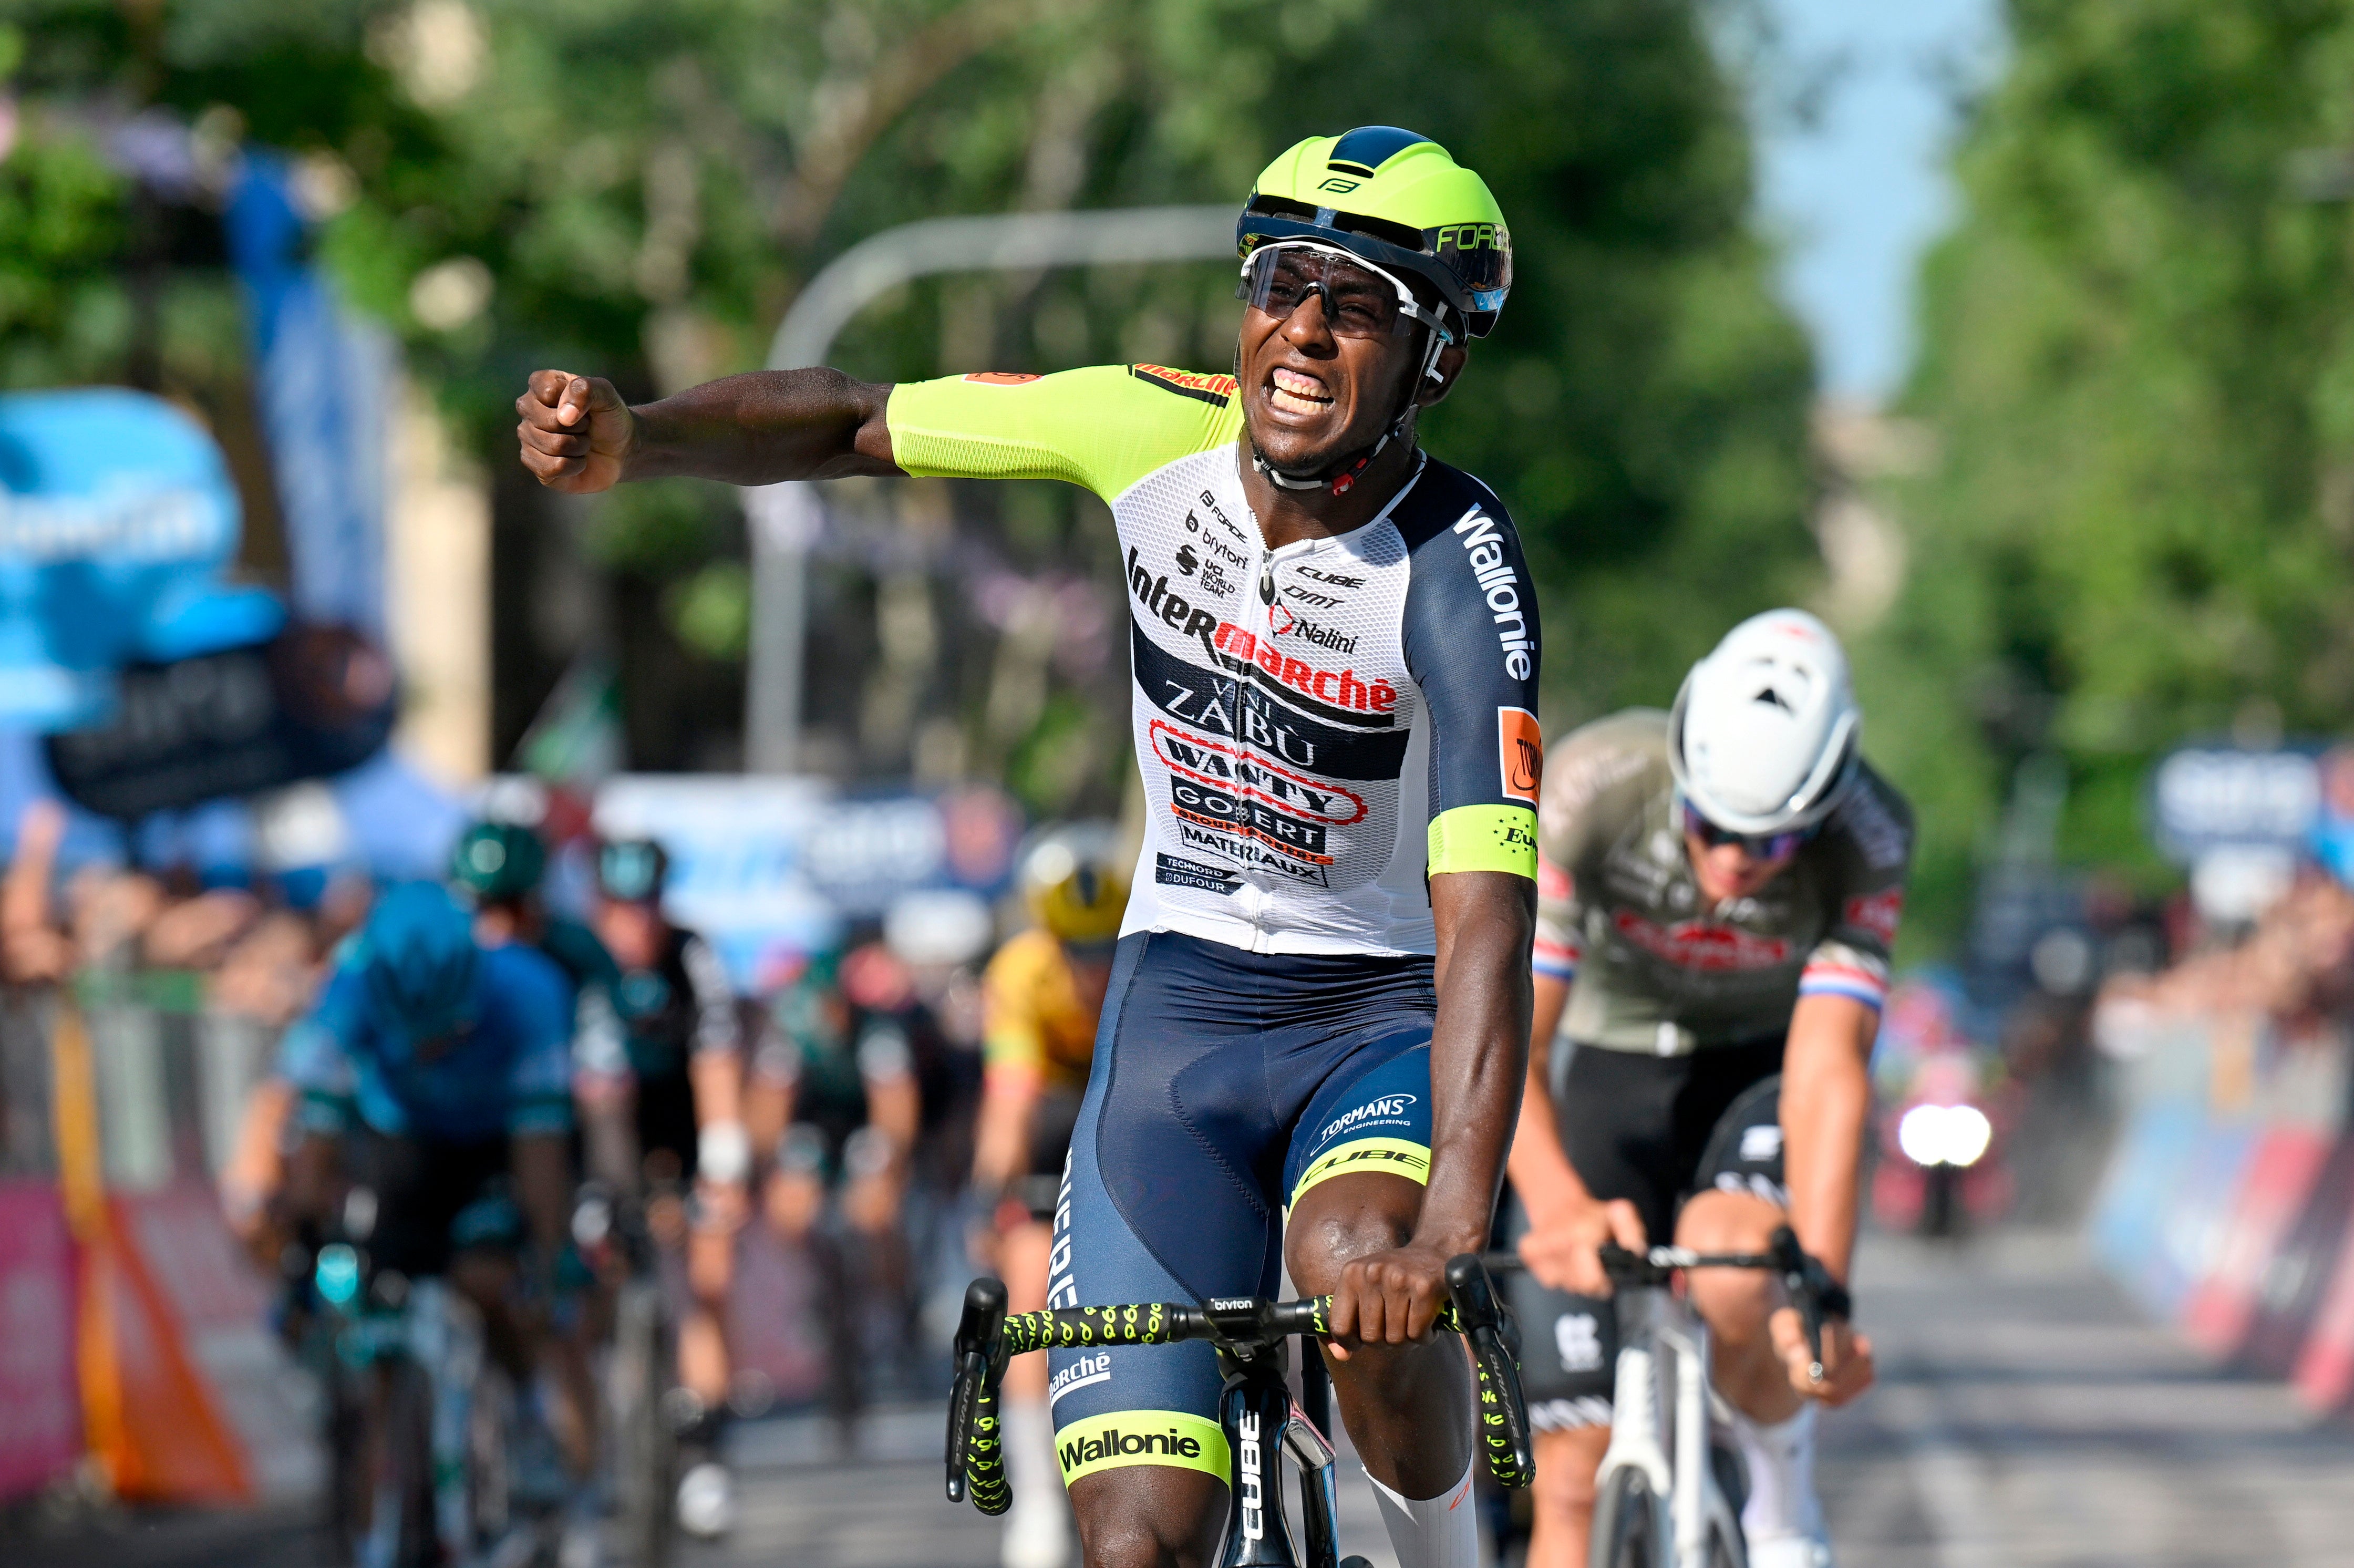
[1149,1517]
[1734,1301]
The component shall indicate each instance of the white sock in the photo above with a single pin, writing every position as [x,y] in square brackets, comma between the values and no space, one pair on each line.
[1436,1532]
[1037,1527]
[1781,1463]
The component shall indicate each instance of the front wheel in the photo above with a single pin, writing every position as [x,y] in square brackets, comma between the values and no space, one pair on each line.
[1626,1523]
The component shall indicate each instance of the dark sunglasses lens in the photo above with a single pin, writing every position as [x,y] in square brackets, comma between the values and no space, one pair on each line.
[1773,846]
[1357,302]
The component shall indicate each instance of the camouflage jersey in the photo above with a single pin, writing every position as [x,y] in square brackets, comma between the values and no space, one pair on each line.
[1619,909]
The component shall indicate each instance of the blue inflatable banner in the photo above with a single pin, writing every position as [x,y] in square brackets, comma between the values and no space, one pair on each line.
[116,519]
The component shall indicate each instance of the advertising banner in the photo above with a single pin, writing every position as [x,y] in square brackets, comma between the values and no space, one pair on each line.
[769,868]
[116,519]
[41,1404]
[313,701]
[321,377]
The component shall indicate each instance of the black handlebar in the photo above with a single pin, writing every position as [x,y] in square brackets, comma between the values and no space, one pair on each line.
[1810,1286]
[987,1338]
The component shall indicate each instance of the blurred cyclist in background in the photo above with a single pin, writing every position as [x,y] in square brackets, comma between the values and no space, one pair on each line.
[435,1074]
[1718,890]
[834,1097]
[661,1079]
[1042,997]
[500,867]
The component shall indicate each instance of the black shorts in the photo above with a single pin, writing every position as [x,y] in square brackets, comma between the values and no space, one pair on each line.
[1226,1085]
[433,1198]
[1052,1122]
[1652,1131]
[667,1134]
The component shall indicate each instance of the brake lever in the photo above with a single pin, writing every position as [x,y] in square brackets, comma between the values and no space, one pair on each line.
[1493,1340]
[1804,1280]
[980,1358]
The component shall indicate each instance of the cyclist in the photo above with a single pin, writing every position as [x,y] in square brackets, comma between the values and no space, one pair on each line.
[436,1072]
[1043,996]
[1335,655]
[663,1048]
[500,866]
[1720,888]
[835,1091]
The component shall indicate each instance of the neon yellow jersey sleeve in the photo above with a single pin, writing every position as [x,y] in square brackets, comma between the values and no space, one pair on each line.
[1104,427]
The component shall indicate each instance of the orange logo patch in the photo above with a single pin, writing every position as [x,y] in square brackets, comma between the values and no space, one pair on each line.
[1520,746]
[1000,377]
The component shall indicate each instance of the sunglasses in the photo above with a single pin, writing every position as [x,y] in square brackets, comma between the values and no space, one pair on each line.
[1767,846]
[1359,300]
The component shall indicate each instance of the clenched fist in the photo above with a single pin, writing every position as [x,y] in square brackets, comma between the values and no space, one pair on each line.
[576,432]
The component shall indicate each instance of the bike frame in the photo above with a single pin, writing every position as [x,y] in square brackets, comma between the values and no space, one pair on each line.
[1261,1422]
[1659,1425]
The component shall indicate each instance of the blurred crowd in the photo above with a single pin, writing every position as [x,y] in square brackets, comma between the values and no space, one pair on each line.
[2295,966]
[856,1069]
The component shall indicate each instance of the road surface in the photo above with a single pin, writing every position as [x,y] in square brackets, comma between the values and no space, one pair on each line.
[2025,1418]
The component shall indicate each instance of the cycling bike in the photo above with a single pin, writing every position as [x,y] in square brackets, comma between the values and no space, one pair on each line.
[1255,1408]
[639,1355]
[439,1483]
[1666,1496]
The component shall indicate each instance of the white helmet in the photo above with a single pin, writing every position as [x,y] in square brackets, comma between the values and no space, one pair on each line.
[1762,736]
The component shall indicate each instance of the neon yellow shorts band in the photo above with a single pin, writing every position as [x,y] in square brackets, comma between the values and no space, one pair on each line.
[1387,1156]
[1141,1437]
[1484,838]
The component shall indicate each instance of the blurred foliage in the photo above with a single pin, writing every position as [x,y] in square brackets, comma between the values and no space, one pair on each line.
[640,189]
[2138,366]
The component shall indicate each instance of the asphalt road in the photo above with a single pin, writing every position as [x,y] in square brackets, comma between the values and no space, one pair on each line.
[2025,1418]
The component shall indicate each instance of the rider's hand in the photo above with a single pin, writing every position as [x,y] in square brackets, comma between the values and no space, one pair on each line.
[1847,1357]
[576,432]
[1562,1248]
[1388,1298]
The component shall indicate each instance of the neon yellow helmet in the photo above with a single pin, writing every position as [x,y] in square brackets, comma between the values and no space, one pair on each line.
[1076,882]
[1396,199]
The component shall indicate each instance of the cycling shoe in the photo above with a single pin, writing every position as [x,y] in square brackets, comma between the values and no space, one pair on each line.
[1790,1551]
[706,1501]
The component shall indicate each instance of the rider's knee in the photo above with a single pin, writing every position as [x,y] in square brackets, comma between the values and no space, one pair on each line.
[1566,1463]
[1322,1244]
[1134,1543]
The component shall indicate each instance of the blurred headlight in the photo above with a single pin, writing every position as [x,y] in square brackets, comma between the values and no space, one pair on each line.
[1944,1135]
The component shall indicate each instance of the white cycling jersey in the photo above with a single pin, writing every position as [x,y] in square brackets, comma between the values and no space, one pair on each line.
[1320,726]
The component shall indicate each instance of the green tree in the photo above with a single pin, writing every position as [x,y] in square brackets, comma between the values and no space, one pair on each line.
[2137,365]
[642,187]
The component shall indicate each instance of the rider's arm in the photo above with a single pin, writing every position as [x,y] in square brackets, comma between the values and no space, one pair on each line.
[578,434]
[1539,1167]
[315,1058]
[1477,1049]
[1014,1056]
[1470,642]
[537,1003]
[605,1089]
[1825,1064]
[1101,428]
[1825,1104]
[714,1070]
